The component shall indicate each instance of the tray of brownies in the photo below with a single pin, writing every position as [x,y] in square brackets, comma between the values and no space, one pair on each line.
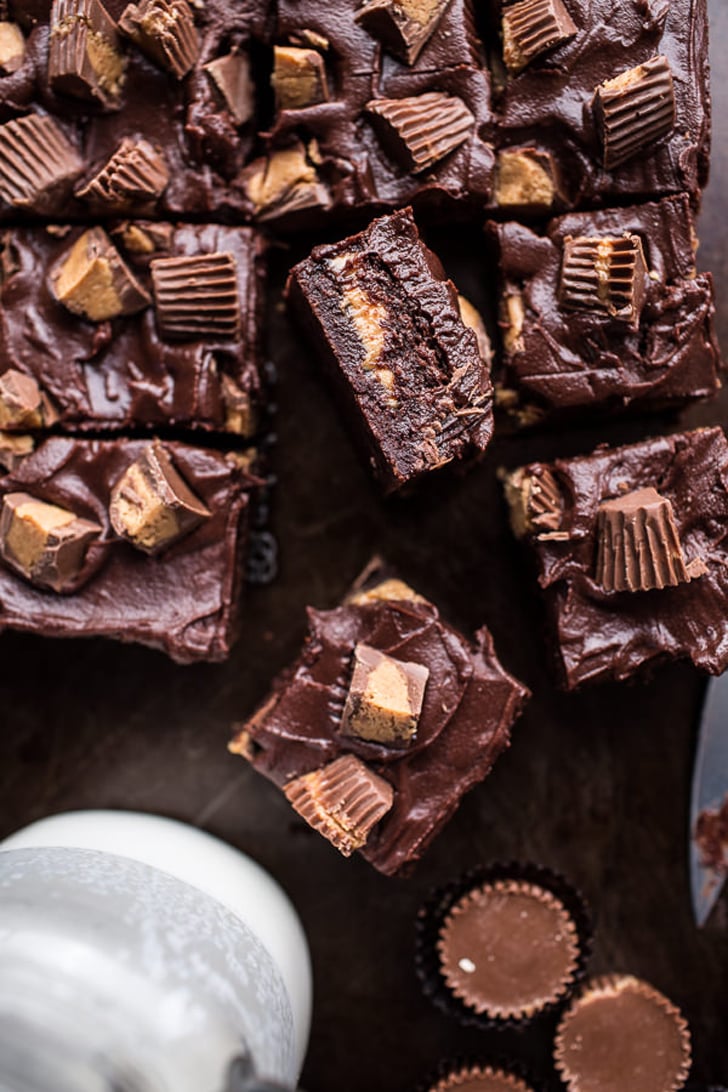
[357,360]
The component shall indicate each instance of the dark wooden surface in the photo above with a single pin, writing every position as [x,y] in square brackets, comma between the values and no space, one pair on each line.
[595,784]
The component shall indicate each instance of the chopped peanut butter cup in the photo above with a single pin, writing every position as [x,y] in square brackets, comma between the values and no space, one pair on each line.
[285,182]
[197,296]
[421,130]
[525,178]
[231,75]
[635,110]
[638,546]
[298,78]
[402,26]
[135,173]
[532,27]
[535,501]
[92,280]
[12,48]
[164,30]
[37,162]
[151,505]
[385,698]
[622,1034]
[44,543]
[604,274]
[85,58]
[343,801]
[21,401]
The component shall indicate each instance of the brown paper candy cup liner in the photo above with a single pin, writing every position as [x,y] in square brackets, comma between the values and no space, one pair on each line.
[605,982]
[445,1076]
[431,918]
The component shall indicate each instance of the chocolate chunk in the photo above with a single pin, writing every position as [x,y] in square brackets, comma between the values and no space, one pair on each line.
[84,58]
[14,447]
[164,30]
[21,403]
[385,697]
[286,181]
[421,130]
[635,110]
[240,416]
[12,48]
[298,78]
[92,280]
[604,274]
[402,26]
[196,296]
[535,502]
[525,178]
[532,27]
[135,174]
[43,542]
[37,162]
[151,505]
[638,546]
[342,801]
[231,76]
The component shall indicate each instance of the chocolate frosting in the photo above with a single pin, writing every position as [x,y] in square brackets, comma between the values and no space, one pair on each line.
[184,602]
[602,634]
[566,360]
[469,706]
[125,373]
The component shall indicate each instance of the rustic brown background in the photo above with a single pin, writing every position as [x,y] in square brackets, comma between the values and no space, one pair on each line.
[595,784]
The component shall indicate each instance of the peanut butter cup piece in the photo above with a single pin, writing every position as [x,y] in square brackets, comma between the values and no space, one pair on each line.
[525,178]
[14,447]
[474,321]
[479,1078]
[85,58]
[37,162]
[343,801]
[12,48]
[298,78]
[638,546]
[604,274]
[135,174]
[420,130]
[535,502]
[231,76]
[197,296]
[532,27]
[43,542]
[621,1034]
[283,182]
[92,280]
[21,401]
[151,505]
[240,416]
[402,26]
[634,110]
[508,949]
[165,30]
[385,697]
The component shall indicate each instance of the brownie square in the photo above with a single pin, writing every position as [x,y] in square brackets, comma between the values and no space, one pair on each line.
[163,127]
[173,340]
[386,128]
[159,565]
[386,797]
[387,325]
[647,134]
[604,310]
[629,545]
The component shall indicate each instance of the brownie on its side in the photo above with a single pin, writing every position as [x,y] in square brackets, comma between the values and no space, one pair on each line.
[148,325]
[137,540]
[601,101]
[388,326]
[127,107]
[387,718]
[604,310]
[630,545]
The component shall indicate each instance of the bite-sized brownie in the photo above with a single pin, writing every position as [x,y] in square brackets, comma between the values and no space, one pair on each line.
[630,545]
[387,718]
[603,310]
[142,326]
[132,539]
[394,336]
[376,105]
[110,107]
[599,101]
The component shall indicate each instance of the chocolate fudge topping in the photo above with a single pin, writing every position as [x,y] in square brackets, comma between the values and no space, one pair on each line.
[469,706]
[605,310]
[386,324]
[610,634]
[711,835]
[173,339]
[620,104]
[508,949]
[183,601]
[477,1078]
[622,1034]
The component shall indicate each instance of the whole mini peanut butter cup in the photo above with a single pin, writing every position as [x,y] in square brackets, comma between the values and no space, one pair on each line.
[479,1078]
[619,1034]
